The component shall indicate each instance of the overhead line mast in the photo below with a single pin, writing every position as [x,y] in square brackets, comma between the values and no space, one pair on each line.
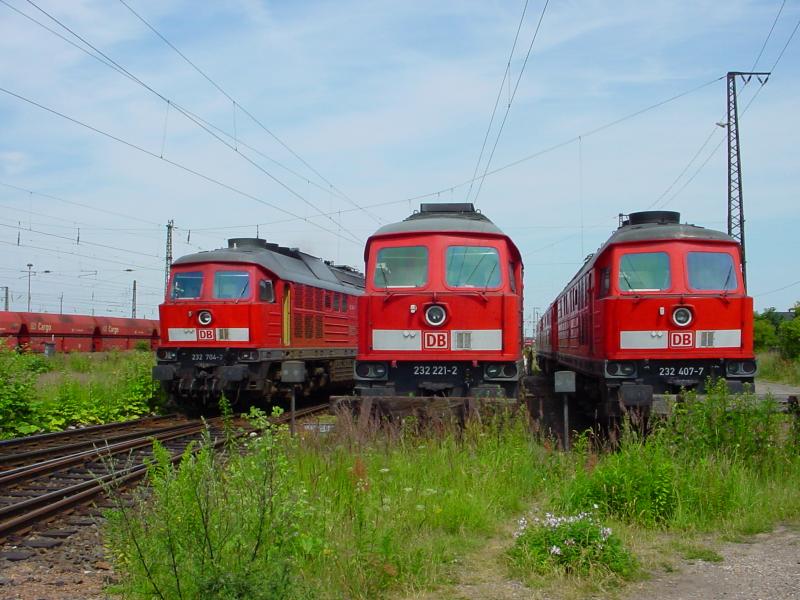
[735,195]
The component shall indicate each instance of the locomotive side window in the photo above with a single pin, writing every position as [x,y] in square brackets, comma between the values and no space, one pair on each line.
[644,272]
[511,280]
[231,285]
[404,267]
[605,282]
[711,271]
[473,266]
[186,285]
[266,291]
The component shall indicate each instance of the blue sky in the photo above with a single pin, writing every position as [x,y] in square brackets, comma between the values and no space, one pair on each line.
[386,101]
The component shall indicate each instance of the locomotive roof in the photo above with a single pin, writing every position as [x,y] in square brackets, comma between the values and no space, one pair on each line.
[653,226]
[444,218]
[288,264]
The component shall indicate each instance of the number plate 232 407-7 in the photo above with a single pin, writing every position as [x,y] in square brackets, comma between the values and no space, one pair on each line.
[681,371]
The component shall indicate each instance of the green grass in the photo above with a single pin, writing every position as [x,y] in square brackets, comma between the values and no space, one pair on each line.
[38,394]
[773,367]
[372,514]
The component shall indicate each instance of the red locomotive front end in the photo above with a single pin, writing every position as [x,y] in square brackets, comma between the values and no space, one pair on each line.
[660,308]
[234,316]
[443,307]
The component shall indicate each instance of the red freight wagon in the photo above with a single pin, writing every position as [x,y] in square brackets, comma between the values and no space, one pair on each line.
[660,307]
[10,327]
[115,333]
[234,316]
[70,333]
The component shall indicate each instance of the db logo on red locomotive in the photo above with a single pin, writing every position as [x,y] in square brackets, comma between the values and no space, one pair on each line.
[681,339]
[205,334]
[435,340]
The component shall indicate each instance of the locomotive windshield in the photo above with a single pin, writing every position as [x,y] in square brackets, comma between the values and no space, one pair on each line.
[231,285]
[644,272]
[187,285]
[406,266]
[473,266]
[711,271]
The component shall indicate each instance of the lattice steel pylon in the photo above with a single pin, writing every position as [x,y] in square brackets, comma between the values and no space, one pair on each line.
[170,226]
[735,197]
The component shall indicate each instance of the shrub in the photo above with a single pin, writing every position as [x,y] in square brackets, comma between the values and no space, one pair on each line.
[574,544]
[16,394]
[765,335]
[789,338]
[635,484]
[208,532]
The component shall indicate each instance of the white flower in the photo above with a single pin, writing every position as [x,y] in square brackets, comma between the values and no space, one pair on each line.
[555,550]
[384,470]
[605,532]
[595,506]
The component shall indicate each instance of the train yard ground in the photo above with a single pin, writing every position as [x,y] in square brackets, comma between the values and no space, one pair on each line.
[434,531]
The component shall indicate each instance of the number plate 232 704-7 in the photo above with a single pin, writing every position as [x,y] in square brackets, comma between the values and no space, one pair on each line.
[208,357]
[435,370]
[681,371]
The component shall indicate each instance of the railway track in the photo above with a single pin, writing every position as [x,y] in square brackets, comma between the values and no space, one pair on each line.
[57,478]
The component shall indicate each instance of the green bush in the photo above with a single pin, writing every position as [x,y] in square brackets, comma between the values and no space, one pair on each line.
[765,335]
[17,394]
[635,484]
[207,532]
[789,338]
[574,544]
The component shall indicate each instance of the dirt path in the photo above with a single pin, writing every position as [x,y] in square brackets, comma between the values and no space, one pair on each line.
[765,567]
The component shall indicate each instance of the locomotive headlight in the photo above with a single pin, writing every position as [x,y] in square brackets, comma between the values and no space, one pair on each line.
[369,370]
[494,371]
[620,369]
[435,315]
[164,354]
[204,318]
[248,355]
[681,316]
[510,371]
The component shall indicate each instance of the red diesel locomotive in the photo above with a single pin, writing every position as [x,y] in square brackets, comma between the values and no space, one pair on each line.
[660,307]
[442,311]
[234,316]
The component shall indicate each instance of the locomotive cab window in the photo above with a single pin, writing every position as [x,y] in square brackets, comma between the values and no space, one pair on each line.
[231,285]
[187,285]
[711,271]
[402,267]
[472,266]
[266,291]
[644,272]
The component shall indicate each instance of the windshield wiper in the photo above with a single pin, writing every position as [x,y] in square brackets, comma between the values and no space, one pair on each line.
[244,289]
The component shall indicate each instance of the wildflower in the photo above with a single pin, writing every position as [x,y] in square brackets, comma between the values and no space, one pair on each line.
[555,550]
[605,532]
[408,489]
[384,470]
[595,506]
[569,542]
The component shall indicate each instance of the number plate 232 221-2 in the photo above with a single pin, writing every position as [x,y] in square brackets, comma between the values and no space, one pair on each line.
[434,370]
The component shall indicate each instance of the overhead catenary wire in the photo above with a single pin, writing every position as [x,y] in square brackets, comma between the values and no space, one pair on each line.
[246,112]
[715,129]
[506,75]
[176,164]
[111,63]
[511,100]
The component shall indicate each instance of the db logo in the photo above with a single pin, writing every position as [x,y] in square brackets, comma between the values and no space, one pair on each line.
[205,334]
[435,340]
[681,339]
